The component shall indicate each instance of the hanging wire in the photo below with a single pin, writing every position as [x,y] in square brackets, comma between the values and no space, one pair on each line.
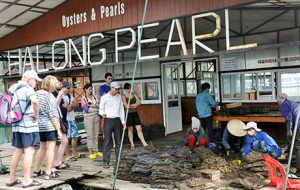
[292,147]
[131,88]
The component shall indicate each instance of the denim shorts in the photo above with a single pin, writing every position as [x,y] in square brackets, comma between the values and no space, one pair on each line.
[25,140]
[72,130]
[48,136]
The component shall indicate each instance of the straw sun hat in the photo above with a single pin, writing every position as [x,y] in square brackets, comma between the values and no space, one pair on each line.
[235,127]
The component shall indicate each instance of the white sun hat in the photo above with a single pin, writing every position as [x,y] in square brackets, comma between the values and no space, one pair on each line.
[253,125]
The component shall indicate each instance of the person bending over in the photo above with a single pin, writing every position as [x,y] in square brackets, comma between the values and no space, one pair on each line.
[260,141]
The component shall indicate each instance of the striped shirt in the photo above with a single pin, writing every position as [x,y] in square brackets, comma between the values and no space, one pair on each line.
[25,94]
[47,110]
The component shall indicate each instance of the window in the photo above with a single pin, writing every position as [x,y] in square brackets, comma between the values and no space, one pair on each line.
[249,86]
[290,84]
[147,90]
[151,90]
[191,88]
[232,86]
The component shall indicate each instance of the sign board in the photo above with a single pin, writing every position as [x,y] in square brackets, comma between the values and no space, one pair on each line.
[232,62]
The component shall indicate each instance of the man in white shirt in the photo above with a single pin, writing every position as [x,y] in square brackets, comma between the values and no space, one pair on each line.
[112,110]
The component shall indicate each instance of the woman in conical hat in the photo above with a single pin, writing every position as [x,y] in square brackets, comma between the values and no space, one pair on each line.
[234,129]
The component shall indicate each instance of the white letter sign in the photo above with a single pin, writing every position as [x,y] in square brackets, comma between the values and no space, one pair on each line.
[200,37]
[83,58]
[227,36]
[180,33]
[146,41]
[133,39]
[103,51]
[66,54]
[28,50]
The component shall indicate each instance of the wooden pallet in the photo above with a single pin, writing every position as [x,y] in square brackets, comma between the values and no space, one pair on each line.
[212,175]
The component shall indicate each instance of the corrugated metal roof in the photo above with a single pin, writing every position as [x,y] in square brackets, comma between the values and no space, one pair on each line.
[16,13]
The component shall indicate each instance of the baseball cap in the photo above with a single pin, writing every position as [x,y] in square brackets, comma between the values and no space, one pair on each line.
[66,84]
[31,74]
[115,85]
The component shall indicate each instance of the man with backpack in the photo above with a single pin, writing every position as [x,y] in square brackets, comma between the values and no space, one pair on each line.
[25,131]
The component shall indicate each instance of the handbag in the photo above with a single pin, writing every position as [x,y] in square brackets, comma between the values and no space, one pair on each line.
[63,124]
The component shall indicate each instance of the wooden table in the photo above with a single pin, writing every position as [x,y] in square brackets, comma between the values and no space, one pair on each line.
[271,117]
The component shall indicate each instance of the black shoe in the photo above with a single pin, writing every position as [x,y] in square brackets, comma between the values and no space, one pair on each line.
[297,173]
[105,165]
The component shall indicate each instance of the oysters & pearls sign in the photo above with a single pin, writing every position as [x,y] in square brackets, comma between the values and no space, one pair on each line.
[101,12]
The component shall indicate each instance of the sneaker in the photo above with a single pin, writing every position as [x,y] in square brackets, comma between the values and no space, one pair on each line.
[99,154]
[92,156]
[105,165]
[212,145]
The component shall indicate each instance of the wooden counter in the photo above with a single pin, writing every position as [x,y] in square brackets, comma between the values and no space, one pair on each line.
[272,117]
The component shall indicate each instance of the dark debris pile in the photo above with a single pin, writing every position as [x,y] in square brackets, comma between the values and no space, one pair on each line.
[254,165]
[161,169]
[170,168]
[253,174]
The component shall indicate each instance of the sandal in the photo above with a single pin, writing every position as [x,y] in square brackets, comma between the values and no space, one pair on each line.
[71,158]
[99,154]
[33,183]
[54,170]
[132,147]
[147,147]
[39,173]
[51,175]
[16,182]
[92,156]
[62,166]
[80,155]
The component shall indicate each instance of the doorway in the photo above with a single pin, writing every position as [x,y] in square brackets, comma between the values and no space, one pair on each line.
[171,97]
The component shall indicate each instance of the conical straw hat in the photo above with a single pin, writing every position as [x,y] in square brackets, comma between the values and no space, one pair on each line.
[235,127]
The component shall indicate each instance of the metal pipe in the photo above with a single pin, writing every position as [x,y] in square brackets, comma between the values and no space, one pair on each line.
[131,88]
